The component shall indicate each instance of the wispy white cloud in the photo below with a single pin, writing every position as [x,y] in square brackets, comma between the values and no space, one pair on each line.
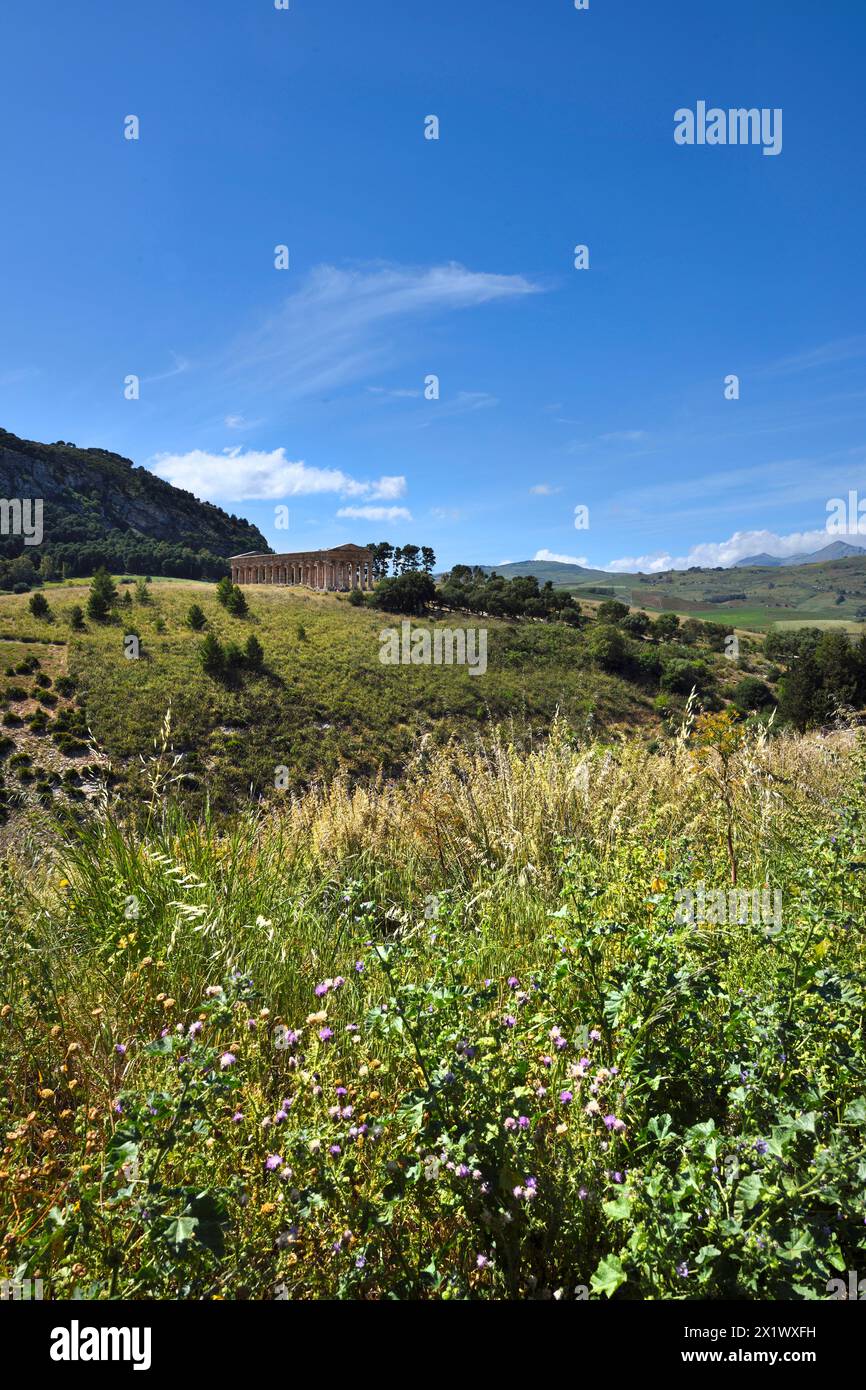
[623,437]
[375,513]
[394,393]
[238,474]
[181,365]
[825,355]
[544,490]
[340,325]
[561,559]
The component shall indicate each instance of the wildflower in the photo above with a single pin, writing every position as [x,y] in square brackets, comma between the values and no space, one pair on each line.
[595,1035]
[168,1003]
[613,1123]
[513,982]
[547,1061]
[334,1150]
[510,1123]
[562,1129]
[325,1034]
[237,1117]
[273,1161]
[280,1116]
[582,1193]
[462,1170]
[318,1018]
[593,1108]
[194,1029]
[482,1262]
[359,966]
[120,1049]
[341,1091]
[322,989]
[523,1122]
[213,990]
[566,1097]
[761,1146]
[338,982]
[509,1021]
[683,1270]
[227,1060]
[360,1262]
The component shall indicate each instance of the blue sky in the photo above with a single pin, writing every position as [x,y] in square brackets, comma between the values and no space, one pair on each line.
[411,257]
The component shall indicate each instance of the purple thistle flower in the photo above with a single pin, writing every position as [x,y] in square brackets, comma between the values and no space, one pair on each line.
[325,1034]
[228,1059]
[273,1161]
[566,1097]
[120,1049]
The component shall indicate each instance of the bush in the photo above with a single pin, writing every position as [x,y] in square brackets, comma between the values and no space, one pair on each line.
[39,605]
[681,677]
[752,694]
[195,618]
[607,647]
[212,656]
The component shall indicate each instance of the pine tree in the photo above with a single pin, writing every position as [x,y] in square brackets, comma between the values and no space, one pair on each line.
[103,596]
[212,656]
[254,654]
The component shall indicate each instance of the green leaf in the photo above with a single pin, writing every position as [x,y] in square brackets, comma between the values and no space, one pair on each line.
[619,1209]
[855,1113]
[180,1229]
[749,1191]
[609,1275]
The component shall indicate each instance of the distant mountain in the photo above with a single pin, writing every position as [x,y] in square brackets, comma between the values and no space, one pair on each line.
[561,575]
[836,550]
[99,508]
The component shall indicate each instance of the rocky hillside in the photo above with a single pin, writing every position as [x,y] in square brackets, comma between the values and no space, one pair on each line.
[100,506]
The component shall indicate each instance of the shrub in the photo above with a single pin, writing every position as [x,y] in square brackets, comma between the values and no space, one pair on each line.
[102,597]
[195,618]
[39,605]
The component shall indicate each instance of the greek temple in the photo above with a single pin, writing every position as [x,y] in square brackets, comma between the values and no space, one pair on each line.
[344,567]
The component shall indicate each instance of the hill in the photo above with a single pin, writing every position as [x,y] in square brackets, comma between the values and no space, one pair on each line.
[792,592]
[836,550]
[99,508]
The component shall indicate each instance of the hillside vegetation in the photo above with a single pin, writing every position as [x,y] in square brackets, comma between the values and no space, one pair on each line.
[323,701]
[454,1037]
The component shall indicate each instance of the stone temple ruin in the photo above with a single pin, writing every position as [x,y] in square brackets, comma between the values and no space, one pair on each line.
[344,567]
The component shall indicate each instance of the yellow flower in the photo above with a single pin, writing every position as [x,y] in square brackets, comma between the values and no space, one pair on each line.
[168,1003]
[266,1208]
[658,885]
[46,1094]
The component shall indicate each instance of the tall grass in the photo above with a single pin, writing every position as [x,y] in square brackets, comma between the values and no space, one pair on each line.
[560,867]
